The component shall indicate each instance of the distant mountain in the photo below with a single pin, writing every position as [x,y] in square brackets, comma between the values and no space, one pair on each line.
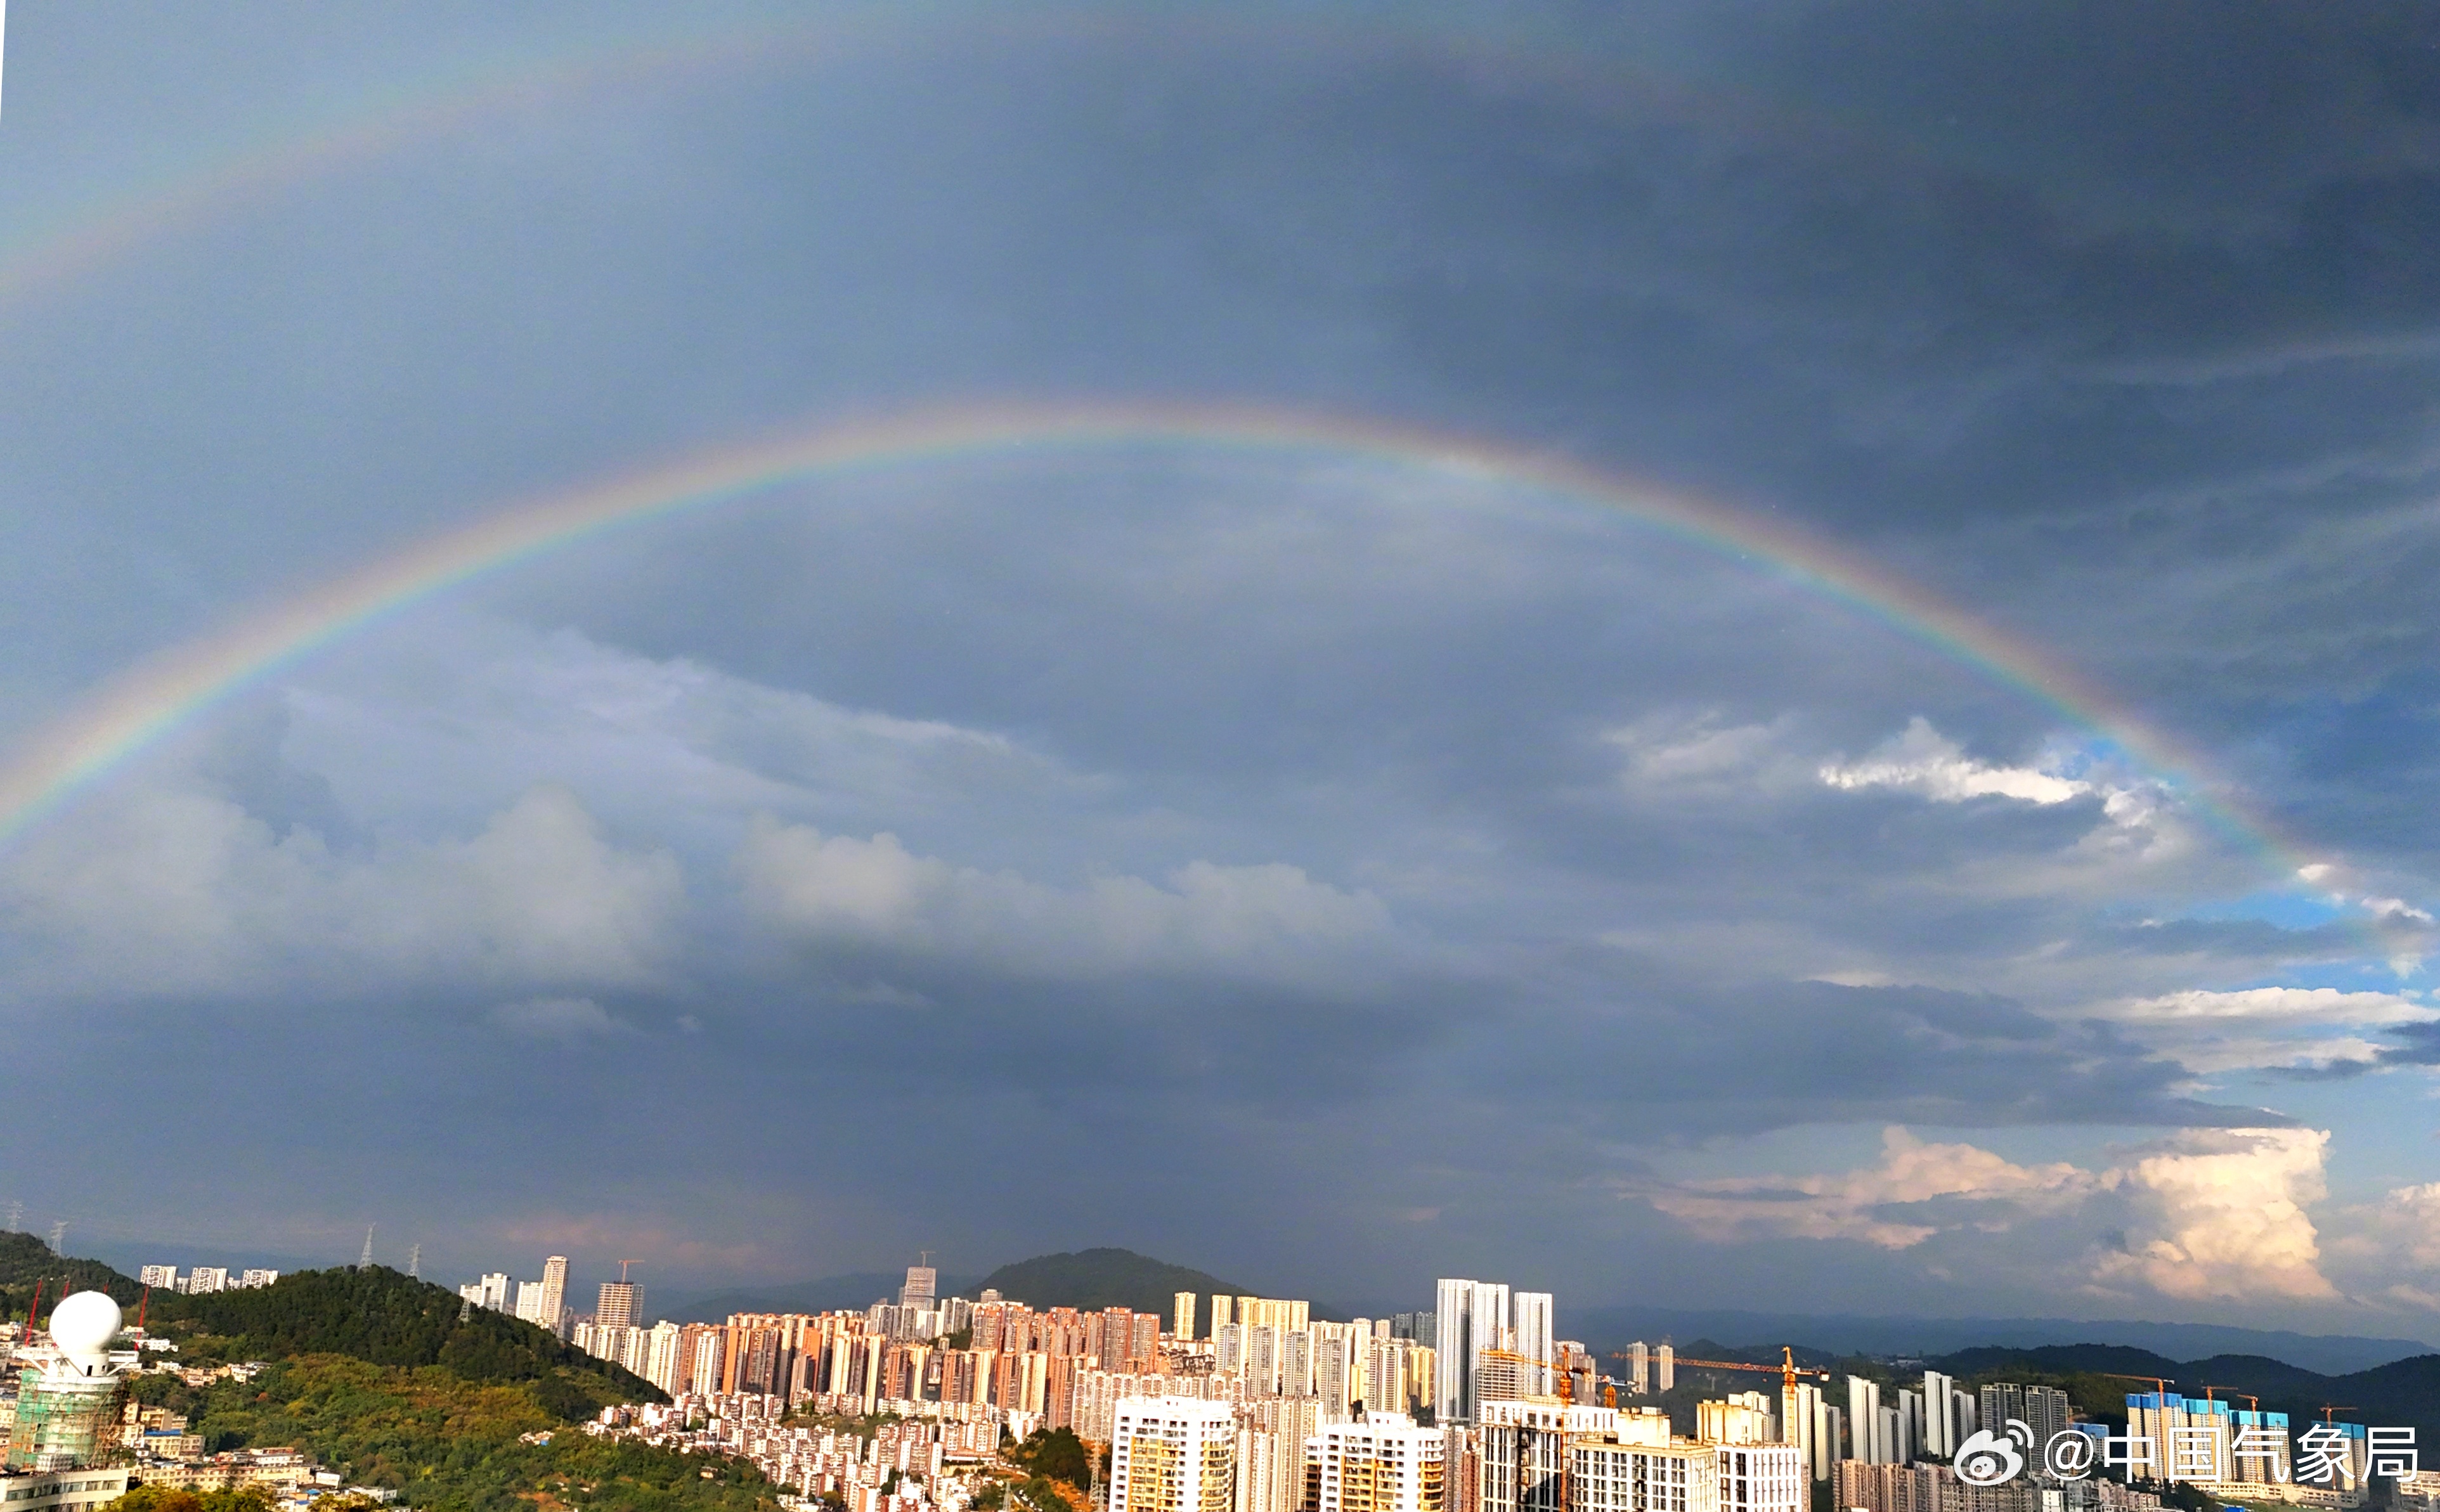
[857,1290]
[2402,1393]
[132,1256]
[1092,1279]
[1609,1329]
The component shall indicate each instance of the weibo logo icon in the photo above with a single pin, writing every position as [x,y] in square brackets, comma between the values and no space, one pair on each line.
[1987,1459]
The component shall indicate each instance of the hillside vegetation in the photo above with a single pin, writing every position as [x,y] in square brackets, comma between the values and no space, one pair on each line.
[2405,1393]
[1092,1279]
[27,1261]
[395,1383]
[442,1441]
[384,1318]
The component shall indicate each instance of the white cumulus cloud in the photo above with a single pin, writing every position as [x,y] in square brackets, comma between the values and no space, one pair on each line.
[2205,1213]
[1871,1204]
[2263,1027]
[1263,921]
[1922,760]
[177,893]
[2222,1214]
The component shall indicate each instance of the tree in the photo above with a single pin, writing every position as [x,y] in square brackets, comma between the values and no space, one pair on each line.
[1055,1453]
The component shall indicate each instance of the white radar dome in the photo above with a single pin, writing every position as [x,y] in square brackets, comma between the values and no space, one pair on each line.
[84,1324]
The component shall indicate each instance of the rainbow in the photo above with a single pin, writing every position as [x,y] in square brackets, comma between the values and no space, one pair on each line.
[135,709]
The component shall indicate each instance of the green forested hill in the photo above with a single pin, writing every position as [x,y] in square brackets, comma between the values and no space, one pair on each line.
[2403,1394]
[395,1383]
[384,1318]
[444,1441]
[373,1314]
[1092,1279]
[27,1261]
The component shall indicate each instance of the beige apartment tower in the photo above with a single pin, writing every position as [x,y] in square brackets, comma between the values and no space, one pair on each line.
[1384,1464]
[617,1309]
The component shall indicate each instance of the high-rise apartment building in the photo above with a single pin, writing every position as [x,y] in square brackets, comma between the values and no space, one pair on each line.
[918,1292]
[529,1304]
[2044,1410]
[1813,1429]
[1639,1368]
[1172,1454]
[1181,1308]
[662,1352]
[554,1294]
[1380,1465]
[1757,1477]
[1940,1435]
[2166,1421]
[1864,1422]
[1471,1317]
[1534,1334]
[616,1308]
[1668,1367]
[1637,1466]
[163,1276]
[1524,1447]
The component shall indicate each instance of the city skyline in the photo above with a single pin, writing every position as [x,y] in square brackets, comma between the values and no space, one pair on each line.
[1694,657]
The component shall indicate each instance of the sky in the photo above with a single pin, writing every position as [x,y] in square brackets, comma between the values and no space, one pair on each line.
[1772,655]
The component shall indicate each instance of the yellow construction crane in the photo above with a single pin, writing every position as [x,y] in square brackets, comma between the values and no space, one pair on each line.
[1788,1369]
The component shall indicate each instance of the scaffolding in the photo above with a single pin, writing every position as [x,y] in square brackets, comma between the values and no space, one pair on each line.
[65,1421]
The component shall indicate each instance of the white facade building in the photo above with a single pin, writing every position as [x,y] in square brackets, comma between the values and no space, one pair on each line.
[1173,1455]
[1524,1450]
[1531,1326]
[1763,1478]
[1864,1422]
[1639,1468]
[1471,1317]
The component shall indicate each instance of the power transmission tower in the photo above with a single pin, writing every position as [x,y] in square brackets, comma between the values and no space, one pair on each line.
[16,1217]
[415,1261]
[58,1236]
[366,1262]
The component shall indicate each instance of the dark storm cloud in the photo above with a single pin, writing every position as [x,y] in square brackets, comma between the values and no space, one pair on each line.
[2075,358]
[1699,1057]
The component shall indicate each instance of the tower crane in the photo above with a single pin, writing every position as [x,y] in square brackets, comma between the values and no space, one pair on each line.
[1788,1369]
[2160,1384]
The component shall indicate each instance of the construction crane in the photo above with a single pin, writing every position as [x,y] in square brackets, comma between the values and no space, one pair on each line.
[622,1270]
[1788,1369]
[2327,1409]
[1526,1495]
[2160,1384]
[1525,1363]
